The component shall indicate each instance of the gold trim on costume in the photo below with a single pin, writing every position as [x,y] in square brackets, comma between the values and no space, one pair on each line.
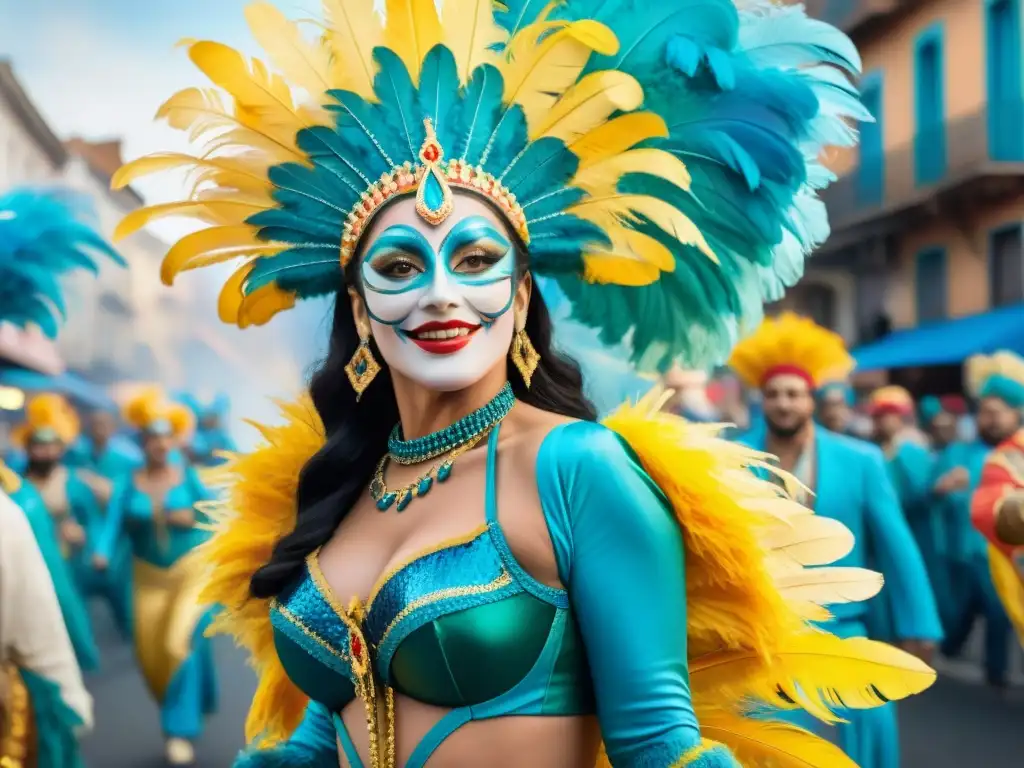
[16,721]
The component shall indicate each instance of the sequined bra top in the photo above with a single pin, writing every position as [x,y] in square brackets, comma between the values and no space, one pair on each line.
[456,626]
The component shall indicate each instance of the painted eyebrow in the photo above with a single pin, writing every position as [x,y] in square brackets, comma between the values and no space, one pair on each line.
[473,228]
[399,236]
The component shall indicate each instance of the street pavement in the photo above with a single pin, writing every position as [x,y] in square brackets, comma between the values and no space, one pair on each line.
[955,724]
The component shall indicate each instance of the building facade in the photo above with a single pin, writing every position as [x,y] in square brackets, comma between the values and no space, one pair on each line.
[927,212]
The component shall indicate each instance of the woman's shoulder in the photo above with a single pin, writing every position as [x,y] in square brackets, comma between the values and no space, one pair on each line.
[561,443]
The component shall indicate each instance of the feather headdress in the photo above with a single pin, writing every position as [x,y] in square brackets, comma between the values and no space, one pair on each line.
[44,235]
[791,344]
[998,375]
[659,160]
[48,417]
[149,410]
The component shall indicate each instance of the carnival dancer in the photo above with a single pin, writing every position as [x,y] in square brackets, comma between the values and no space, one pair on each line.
[72,603]
[940,419]
[835,406]
[958,471]
[470,568]
[50,426]
[212,437]
[997,507]
[155,507]
[44,705]
[849,481]
[911,470]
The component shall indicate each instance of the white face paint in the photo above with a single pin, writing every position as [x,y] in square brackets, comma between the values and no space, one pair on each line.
[439,300]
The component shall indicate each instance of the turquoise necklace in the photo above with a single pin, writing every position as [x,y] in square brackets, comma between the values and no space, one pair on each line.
[428,447]
[453,440]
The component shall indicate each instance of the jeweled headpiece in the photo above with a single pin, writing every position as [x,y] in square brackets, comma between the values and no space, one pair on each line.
[1000,374]
[658,158]
[150,411]
[793,345]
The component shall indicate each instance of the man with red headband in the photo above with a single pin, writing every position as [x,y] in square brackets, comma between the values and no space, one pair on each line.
[788,358]
[997,506]
[910,466]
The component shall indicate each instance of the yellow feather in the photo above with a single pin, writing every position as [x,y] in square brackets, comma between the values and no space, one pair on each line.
[779,745]
[602,178]
[817,670]
[545,59]
[613,210]
[262,304]
[618,135]
[470,32]
[254,88]
[306,64]
[589,103]
[213,246]
[222,212]
[830,586]
[412,28]
[606,269]
[790,339]
[230,299]
[200,112]
[232,172]
[353,31]
[815,541]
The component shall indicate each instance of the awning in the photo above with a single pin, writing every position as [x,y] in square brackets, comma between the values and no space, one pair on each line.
[67,384]
[947,342]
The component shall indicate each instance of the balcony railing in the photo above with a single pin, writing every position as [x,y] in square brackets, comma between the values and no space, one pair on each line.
[849,15]
[987,143]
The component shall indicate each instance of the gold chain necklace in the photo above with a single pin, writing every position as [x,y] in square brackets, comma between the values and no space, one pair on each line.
[439,472]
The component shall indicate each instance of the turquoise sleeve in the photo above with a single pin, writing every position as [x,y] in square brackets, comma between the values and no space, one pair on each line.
[897,556]
[113,524]
[620,554]
[84,507]
[312,745]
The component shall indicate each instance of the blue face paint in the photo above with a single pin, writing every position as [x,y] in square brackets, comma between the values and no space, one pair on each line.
[400,269]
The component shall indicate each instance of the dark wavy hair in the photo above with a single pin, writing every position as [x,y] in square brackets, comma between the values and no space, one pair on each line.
[357,434]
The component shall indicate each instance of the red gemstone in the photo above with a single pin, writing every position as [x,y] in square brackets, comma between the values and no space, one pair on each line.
[430,153]
[357,646]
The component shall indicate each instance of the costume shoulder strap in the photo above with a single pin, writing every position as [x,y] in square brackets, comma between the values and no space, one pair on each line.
[256,508]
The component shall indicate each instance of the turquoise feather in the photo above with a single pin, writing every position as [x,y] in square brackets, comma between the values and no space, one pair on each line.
[43,236]
[399,103]
[481,111]
[439,93]
[546,165]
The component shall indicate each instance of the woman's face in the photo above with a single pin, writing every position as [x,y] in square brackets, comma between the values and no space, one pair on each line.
[157,448]
[441,302]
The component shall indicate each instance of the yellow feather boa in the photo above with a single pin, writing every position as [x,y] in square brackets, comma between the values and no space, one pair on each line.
[749,596]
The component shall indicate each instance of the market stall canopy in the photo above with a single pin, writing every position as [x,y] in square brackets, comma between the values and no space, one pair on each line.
[67,384]
[946,342]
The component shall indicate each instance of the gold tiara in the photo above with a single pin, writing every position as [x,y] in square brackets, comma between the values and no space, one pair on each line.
[432,179]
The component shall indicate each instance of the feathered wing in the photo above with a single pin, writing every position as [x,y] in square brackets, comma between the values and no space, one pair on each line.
[751,594]
[257,510]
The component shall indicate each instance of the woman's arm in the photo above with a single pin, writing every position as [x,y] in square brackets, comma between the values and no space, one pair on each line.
[313,745]
[111,530]
[620,553]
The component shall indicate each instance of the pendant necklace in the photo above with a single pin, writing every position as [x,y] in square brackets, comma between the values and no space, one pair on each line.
[450,442]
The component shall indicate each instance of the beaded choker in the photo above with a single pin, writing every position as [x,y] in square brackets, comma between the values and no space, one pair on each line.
[443,441]
[451,442]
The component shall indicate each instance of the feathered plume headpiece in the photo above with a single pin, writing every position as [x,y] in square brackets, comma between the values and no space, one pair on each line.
[794,345]
[999,375]
[48,418]
[150,411]
[43,235]
[891,399]
[658,159]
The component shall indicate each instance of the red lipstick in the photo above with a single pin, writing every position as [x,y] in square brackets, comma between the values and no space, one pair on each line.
[443,338]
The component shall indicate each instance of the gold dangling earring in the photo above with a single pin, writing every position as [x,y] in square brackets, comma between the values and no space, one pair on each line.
[524,356]
[362,368]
